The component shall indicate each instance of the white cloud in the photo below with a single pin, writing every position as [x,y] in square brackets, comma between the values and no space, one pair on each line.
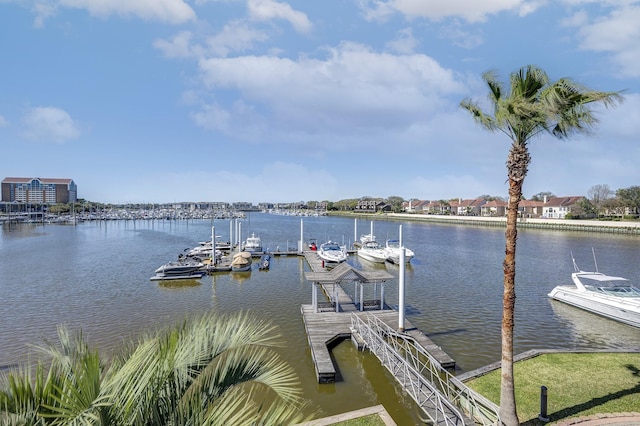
[49,124]
[469,10]
[266,10]
[618,34]
[352,88]
[178,47]
[459,36]
[171,11]
[3,122]
[43,11]
[404,43]
[235,36]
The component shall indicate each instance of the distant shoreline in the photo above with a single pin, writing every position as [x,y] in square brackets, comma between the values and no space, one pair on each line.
[614,227]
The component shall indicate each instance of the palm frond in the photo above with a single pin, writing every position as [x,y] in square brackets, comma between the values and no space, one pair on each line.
[181,371]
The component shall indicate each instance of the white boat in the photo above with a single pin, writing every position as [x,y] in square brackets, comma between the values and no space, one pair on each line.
[392,250]
[373,252]
[331,252]
[241,262]
[606,295]
[203,251]
[365,238]
[253,244]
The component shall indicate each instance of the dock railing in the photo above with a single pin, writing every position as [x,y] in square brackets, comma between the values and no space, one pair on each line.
[440,395]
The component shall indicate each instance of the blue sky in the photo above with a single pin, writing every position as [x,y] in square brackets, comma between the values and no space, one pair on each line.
[265,100]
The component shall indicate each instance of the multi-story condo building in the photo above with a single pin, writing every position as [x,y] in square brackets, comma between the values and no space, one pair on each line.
[39,190]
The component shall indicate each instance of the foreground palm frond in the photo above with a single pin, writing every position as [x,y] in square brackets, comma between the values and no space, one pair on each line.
[184,373]
[206,370]
[70,392]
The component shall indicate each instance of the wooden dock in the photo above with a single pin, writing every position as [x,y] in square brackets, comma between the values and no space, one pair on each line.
[326,328]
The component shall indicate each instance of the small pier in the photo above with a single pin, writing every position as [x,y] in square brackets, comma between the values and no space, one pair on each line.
[328,323]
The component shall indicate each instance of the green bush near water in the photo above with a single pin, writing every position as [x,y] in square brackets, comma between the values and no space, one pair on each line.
[578,384]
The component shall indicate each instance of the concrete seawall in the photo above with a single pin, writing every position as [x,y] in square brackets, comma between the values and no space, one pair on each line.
[614,227]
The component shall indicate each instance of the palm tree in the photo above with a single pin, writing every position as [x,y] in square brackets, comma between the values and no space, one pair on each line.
[206,371]
[533,105]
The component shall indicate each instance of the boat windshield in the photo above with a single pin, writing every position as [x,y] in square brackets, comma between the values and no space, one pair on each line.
[620,291]
[331,247]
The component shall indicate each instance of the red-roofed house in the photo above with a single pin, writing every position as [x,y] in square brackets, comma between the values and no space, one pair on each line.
[494,208]
[558,207]
[467,207]
[530,208]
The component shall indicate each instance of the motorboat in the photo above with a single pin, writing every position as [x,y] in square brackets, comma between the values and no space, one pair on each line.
[365,238]
[253,244]
[202,251]
[241,262]
[392,249]
[180,269]
[610,296]
[331,252]
[265,262]
[373,252]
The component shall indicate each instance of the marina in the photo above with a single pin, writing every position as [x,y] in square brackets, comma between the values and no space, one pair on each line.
[453,293]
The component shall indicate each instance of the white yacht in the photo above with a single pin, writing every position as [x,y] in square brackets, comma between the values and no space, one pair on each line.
[373,252]
[253,244]
[606,295]
[331,252]
[392,250]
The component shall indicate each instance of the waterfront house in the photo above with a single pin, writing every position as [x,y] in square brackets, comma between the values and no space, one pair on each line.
[494,208]
[370,206]
[530,208]
[470,207]
[438,207]
[559,207]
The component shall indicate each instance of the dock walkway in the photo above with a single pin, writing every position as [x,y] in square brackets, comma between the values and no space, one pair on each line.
[326,328]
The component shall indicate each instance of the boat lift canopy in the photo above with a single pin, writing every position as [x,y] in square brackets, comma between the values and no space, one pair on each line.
[345,273]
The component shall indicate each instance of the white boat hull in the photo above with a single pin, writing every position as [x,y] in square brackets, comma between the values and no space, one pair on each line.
[373,255]
[393,255]
[625,310]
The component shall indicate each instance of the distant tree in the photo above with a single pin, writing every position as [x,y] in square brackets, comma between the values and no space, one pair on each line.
[598,195]
[613,207]
[395,202]
[530,106]
[540,196]
[582,210]
[347,204]
[491,197]
[630,198]
[59,208]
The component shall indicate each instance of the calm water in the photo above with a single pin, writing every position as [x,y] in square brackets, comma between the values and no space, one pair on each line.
[95,276]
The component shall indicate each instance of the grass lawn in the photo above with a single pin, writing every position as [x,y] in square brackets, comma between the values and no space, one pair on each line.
[578,384]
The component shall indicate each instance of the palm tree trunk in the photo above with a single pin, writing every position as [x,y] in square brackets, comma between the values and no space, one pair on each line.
[517,170]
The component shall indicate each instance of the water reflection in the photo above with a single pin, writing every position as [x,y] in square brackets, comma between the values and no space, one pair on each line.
[96,276]
[591,330]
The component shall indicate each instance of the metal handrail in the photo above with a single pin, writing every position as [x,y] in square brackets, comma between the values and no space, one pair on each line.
[405,357]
